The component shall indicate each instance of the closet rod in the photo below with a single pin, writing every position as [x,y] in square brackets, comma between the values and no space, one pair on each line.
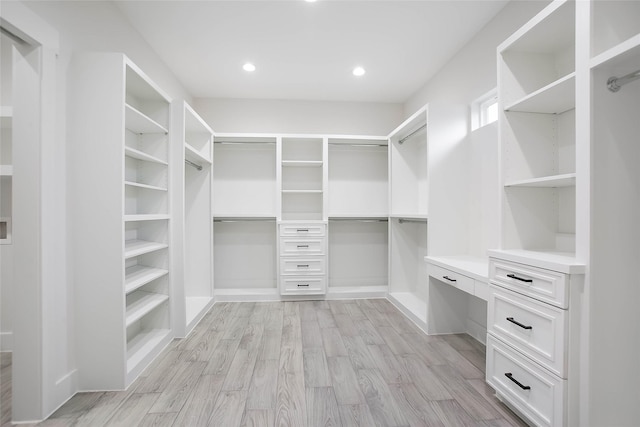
[240,219]
[360,219]
[195,165]
[412,133]
[403,220]
[615,83]
[362,144]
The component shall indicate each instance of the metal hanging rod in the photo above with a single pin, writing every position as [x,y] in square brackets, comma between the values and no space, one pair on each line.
[403,220]
[363,219]
[615,83]
[360,144]
[195,165]
[424,126]
[243,219]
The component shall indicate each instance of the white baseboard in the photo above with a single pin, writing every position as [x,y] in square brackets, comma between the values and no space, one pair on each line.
[357,292]
[6,341]
[247,295]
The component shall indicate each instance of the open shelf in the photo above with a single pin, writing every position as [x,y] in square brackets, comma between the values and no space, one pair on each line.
[555,98]
[139,275]
[140,303]
[145,217]
[134,248]
[145,186]
[302,163]
[138,122]
[555,181]
[194,155]
[411,304]
[137,154]
[143,344]
[620,53]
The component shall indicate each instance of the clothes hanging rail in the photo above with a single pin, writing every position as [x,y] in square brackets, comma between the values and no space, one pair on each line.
[359,219]
[615,83]
[360,144]
[424,126]
[195,165]
[403,220]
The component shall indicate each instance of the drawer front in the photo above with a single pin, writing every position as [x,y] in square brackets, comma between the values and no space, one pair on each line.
[301,230]
[298,266]
[544,285]
[302,285]
[293,246]
[452,278]
[534,328]
[536,393]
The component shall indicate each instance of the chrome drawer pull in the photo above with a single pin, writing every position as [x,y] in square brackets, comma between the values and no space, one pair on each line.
[510,376]
[303,265]
[510,319]
[513,276]
[302,230]
[302,246]
[305,285]
[449,278]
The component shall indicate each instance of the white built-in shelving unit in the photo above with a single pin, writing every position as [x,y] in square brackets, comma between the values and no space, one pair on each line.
[119,173]
[613,339]
[408,206]
[192,228]
[537,273]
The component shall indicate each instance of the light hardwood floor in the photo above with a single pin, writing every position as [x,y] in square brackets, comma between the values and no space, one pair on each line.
[290,364]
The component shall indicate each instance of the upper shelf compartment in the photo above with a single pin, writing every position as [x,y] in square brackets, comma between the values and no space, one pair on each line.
[615,24]
[138,122]
[147,100]
[198,137]
[539,55]
[555,98]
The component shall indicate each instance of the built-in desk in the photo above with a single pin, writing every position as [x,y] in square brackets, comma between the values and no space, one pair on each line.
[452,279]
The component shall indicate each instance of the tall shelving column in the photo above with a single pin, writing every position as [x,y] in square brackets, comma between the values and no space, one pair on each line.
[119,192]
[536,277]
[611,327]
[192,228]
[358,211]
[245,208]
[409,191]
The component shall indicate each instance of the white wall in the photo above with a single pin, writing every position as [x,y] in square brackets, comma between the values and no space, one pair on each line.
[280,116]
[463,175]
[82,26]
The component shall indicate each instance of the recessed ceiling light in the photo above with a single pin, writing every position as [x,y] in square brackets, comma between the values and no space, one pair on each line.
[249,67]
[358,71]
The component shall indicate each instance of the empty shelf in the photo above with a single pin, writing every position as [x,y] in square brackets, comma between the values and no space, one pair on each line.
[194,155]
[142,345]
[555,98]
[140,123]
[140,275]
[137,154]
[554,181]
[140,303]
[145,186]
[140,247]
[145,217]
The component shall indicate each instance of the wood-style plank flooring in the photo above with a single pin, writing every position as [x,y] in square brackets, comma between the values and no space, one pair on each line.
[290,364]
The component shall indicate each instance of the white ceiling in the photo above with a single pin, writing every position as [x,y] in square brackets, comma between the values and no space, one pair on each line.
[306,51]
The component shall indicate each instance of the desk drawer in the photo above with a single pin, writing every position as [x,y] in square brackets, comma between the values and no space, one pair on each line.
[301,230]
[534,328]
[535,392]
[299,246]
[544,285]
[302,266]
[452,278]
[291,285]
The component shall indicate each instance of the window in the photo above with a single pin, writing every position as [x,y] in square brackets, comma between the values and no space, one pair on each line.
[484,110]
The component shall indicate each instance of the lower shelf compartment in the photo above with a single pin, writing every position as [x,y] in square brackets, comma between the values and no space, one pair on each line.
[143,348]
[413,305]
[140,303]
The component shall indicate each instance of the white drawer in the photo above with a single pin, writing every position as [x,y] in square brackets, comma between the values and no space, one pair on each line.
[290,285]
[300,246]
[298,266]
[452,278]
[532,390]
[301,230]
[534,328]
[544,285]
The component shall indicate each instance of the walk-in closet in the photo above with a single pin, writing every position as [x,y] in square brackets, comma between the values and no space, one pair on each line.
[316,212]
